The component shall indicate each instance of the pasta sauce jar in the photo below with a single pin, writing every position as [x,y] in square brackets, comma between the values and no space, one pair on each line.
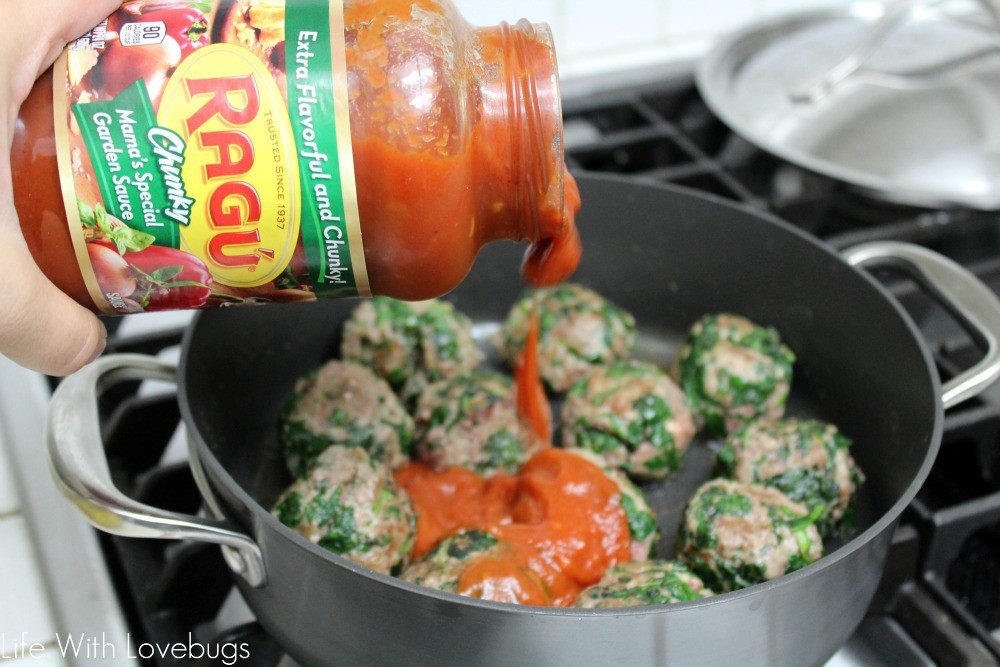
[196,154]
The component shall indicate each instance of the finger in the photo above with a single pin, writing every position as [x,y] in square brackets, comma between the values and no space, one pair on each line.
[40,327]
[73,18]
[54,23]
[69,20]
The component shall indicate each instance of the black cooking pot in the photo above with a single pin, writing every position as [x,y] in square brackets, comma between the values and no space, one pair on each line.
[664,254]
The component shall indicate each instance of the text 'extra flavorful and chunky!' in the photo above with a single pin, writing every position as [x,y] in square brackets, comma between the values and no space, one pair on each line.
[205,155]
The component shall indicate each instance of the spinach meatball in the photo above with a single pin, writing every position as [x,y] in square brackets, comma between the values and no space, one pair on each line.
[345,404]
[808,460]
[635,584]
[476,564]
[578,330]
[471,421]
[733,371]
[351,505]
[410,344]
[633,415]
[642,524]
[735,535]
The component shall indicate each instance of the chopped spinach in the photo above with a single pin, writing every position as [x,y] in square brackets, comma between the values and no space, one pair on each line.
[561,309]
[641,524]
[439,416]
[711,504]
[725,460]
[645,584]
[302,446]
[788,446]
[602,430]
[339,416]
[810,486]
[462,545]
[404,431]
[337,520]
[720,575]
[503,451]
[631,369]
[651,427]
[594,439]
[289,509]
[432,337]
[735,392]
[397,377]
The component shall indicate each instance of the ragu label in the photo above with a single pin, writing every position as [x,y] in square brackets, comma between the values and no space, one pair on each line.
[238,168]
[203,171]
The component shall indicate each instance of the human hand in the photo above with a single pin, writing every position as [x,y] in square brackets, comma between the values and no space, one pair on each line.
[40,327]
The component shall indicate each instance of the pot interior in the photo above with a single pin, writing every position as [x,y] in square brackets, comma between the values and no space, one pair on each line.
[668,257]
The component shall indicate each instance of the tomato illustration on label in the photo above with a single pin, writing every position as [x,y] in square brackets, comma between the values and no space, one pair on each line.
[114,276]
[120,64]
[171,278]
[151,279]
[138,24]
[148,41]
[136,276]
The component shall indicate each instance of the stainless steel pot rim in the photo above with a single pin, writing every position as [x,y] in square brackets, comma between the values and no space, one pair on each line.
[721,65]
[201,450]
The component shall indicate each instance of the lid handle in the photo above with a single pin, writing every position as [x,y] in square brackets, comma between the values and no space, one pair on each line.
[851,68]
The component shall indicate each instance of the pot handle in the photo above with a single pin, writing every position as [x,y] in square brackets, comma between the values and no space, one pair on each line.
[78,463]
[965,296]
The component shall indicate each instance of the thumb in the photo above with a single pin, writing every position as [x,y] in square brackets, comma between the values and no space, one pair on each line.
[40,327]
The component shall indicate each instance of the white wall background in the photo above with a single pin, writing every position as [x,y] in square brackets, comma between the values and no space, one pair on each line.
[600,36]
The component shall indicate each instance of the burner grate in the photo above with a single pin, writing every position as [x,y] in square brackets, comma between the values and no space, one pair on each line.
[974,576]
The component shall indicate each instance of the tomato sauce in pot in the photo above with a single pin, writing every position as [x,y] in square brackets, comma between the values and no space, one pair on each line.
[560,512]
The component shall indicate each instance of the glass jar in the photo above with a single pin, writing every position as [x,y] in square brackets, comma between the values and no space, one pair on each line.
[178,158]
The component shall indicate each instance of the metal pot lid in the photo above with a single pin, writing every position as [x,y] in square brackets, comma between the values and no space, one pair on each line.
[903,101]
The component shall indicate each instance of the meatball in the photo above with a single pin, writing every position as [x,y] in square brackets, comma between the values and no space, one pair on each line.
[733,371]
[578,330]
[346,404]
[410,344]
[633,415]
[637,584]
[350,505]
[808,460]
[471,421]
[476,564]
[735,535]
[642,524]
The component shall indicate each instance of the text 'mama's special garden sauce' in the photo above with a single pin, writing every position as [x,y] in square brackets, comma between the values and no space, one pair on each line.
[196,154]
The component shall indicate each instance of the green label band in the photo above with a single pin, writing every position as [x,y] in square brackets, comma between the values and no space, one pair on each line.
[311,108]
[122,146]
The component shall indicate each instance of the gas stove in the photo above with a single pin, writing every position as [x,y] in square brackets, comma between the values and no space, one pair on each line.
[939,602]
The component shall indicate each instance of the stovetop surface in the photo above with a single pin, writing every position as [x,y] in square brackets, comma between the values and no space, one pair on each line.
[939,603]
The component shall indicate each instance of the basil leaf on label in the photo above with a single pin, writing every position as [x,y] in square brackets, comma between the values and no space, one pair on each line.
[101,216]
[166,273]
[87,217]
[184,283]
[128,239]
[119,244]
